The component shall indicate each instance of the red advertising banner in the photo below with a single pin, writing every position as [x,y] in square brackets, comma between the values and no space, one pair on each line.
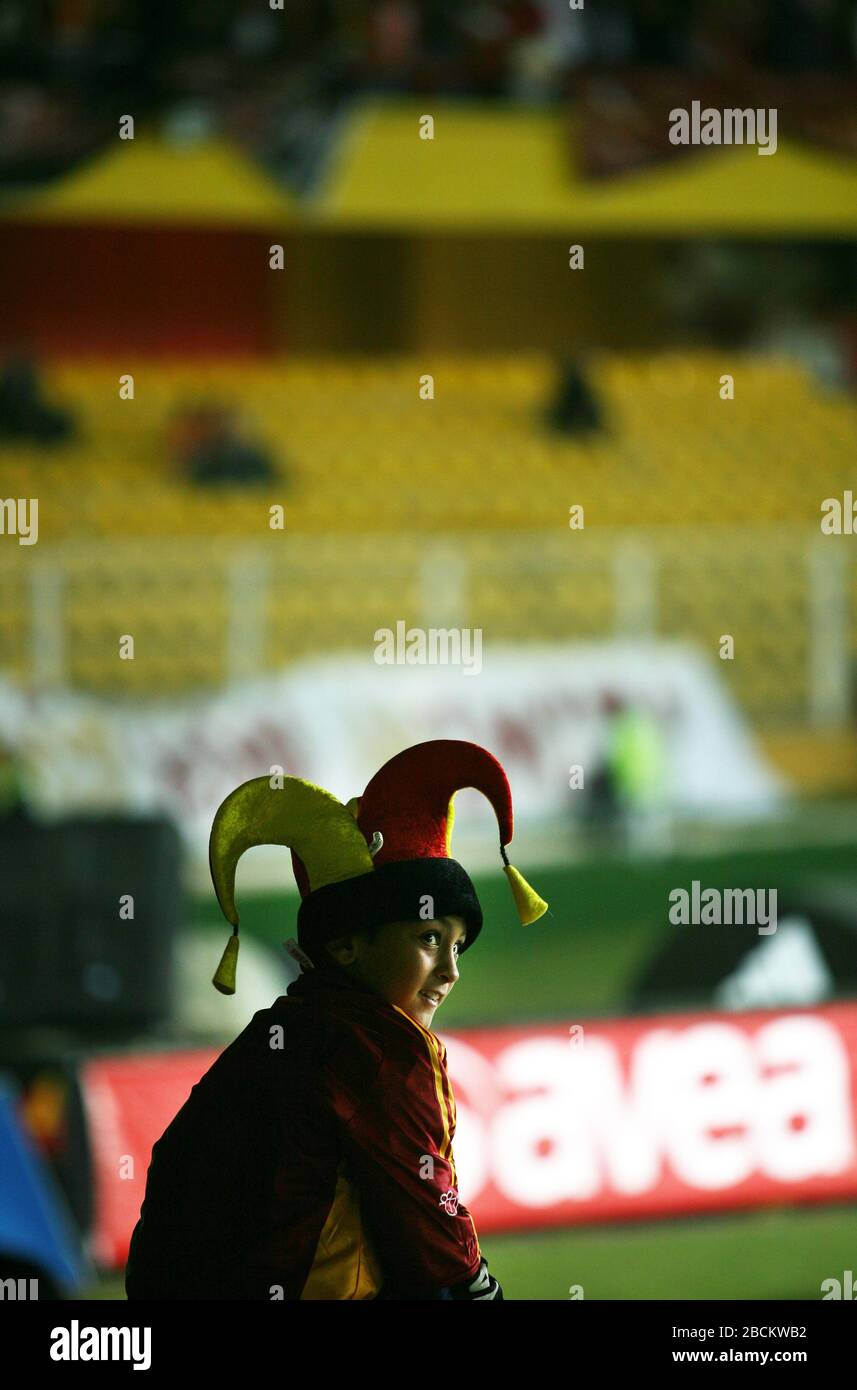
[564,1124]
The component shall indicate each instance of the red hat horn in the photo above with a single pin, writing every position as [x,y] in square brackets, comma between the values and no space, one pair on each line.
[410,801]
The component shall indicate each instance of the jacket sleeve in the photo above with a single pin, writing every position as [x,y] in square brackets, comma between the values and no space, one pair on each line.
[397,1139]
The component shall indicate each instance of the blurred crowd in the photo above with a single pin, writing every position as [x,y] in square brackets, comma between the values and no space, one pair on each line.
[275,78]
[208,442]
[26,416]
[209,445]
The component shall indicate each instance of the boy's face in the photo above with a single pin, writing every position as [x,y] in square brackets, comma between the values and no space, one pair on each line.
[406,961]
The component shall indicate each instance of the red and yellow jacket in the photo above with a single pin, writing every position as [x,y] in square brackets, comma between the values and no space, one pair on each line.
[312,1161]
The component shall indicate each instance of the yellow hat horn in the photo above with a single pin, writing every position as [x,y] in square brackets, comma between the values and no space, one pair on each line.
[281,811]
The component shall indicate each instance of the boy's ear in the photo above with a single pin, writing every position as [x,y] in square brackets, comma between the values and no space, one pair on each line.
[343,946]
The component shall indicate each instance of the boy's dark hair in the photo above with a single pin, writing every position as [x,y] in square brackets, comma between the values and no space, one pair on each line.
[322,958]
[325,961]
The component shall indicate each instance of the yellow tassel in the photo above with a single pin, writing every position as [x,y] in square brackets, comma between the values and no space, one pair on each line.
[224,979]
[530,906]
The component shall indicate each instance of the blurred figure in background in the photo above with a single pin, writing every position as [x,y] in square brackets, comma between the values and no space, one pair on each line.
[210,449]
[575,408]
[13,799]
[626,793]
[24,413]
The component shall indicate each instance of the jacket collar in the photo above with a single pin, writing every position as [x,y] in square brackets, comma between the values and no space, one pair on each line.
[312,983]
[325,984]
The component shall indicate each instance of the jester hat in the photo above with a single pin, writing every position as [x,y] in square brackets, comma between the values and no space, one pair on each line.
[385,857]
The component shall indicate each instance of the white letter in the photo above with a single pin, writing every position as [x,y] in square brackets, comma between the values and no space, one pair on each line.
[415,654]
[679,899]
[701,1106]
[146,1334]
[59,1348]
[808,1076]
[834,517]
[679,132]
[28,535]
[770,145]
[771,919]
[384,653]
[476,665]
[710,133]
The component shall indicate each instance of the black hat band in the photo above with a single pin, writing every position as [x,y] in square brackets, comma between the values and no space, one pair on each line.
[391,893]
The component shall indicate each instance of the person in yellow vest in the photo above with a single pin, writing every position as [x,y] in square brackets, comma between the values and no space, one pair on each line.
[13,799]
[636,765]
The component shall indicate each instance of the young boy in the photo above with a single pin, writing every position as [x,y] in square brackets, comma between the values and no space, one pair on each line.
[314,1159]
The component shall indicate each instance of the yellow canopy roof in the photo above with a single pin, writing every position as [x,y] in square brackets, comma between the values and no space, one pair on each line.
[511,169]
[146,180]
[488,168]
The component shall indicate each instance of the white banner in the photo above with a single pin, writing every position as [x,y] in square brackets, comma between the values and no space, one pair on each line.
[541,710]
